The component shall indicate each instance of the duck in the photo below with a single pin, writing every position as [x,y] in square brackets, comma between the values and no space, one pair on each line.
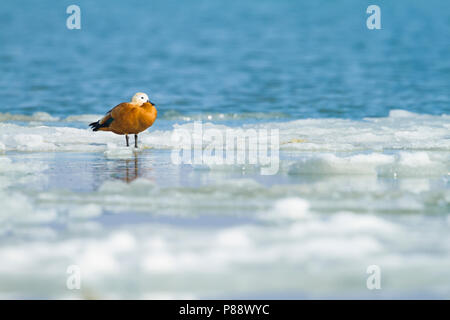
[128,118]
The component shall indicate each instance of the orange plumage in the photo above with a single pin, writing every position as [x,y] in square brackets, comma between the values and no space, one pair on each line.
[128,117]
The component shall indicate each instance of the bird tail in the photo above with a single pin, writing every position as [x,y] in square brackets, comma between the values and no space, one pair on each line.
[95,125]
[102,123]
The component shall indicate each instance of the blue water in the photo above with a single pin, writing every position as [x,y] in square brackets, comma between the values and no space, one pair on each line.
[287,59]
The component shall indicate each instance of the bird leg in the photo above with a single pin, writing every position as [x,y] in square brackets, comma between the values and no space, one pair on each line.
[135,141]
[126,138]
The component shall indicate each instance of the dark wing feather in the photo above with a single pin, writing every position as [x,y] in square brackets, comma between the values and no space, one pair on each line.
[105,121]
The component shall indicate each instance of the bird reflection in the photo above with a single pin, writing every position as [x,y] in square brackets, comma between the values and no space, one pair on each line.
[129,170]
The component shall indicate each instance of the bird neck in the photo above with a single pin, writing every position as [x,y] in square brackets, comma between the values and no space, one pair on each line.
[148,107]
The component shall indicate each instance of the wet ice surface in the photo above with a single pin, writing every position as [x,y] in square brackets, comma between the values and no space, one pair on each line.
[348,194]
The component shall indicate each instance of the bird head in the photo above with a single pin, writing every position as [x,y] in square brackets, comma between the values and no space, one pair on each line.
[140,98]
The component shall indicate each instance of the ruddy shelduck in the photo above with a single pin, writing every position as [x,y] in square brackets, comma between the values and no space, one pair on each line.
[128,117]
